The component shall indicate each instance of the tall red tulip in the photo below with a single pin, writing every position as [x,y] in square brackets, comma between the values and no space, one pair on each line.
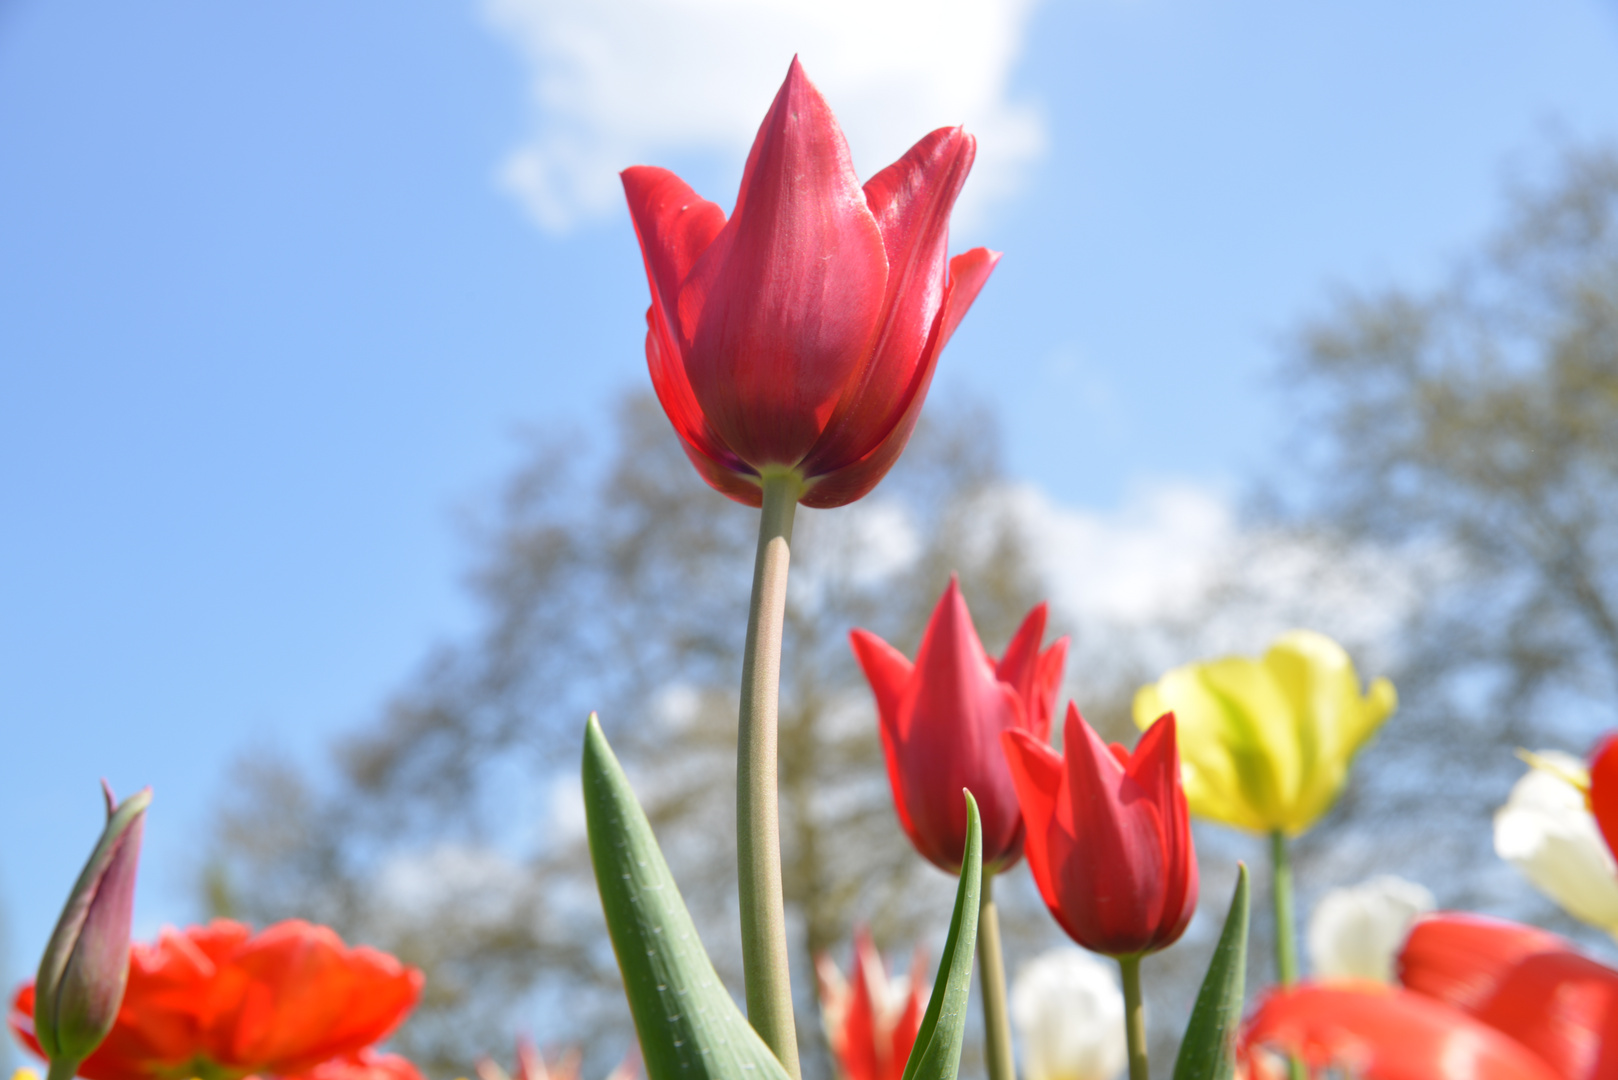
[219,1002]
[871,1020]
[801,334]
[1523,982]
[1604,790]
[941,719]
[1109,836]
[1375,1032]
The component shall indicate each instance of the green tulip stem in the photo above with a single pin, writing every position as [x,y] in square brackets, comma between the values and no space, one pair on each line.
[758,816]
[1134,1017]
[1286,934]
[992,976]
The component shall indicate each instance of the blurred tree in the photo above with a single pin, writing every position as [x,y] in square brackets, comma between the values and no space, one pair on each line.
[450,831]
[1467,436]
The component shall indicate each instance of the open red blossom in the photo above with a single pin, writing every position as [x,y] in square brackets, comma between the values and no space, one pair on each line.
[1375,1032]
[1522,981]
[871,1020]
[365,1065]
[218,1002]
[802,333]
[941,720]
[1109,835]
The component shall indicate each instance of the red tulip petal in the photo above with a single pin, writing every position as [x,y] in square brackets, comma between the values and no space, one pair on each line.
[1376,1033]
[1114,882]
[1562,1006]
[782,309]
[714,461]
[886,669]
[1036,770]
[1155,765]
[859,1057]
[911,201]
[1047,681]
[1020,664]
[1461,958]
[949,728]
[675,225]
[906,1027]
[1604,790]
[968,273]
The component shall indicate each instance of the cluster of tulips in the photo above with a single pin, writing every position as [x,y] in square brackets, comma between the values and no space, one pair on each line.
[792,345]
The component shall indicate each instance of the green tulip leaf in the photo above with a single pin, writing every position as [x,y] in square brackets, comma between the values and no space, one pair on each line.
[936,1054]
[689,1026]
[1208,1051]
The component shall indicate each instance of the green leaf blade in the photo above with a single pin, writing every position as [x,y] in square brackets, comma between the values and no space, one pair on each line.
[689,1026]
[1208,1051]
[936,1054]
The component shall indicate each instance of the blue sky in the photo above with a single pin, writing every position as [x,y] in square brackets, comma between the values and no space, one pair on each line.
[277,295]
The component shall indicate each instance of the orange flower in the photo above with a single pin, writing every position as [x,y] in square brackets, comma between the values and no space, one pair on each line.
[217,1002]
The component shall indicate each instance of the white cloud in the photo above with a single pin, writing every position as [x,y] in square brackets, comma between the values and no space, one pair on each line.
[621,82]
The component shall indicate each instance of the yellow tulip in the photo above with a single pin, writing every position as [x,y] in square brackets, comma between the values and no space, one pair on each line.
[1266,744]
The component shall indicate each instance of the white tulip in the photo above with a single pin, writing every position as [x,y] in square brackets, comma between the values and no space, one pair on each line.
[1069,1015]
[1357,932]
[1547,833]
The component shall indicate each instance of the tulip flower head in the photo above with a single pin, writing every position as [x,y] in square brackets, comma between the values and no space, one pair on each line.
[1548,834]
[82,975]
[218,1002]
[871,1020]
[1357,932]
[1069,1015]
[1525,983]
[941,719]
[800,336]
[1267,743]
[1109,838]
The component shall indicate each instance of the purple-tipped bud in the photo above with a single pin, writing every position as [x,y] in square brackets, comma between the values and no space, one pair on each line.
[85,966]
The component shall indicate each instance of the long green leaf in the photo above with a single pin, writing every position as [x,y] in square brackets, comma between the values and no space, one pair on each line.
[1208,1051]
[936,1054]
[688,1024]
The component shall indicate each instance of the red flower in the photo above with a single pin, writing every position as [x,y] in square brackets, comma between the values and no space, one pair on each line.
[1374,1032]
[218,1003]
[1524,982]
[871,1021]
[365,1065]
[941,720]
[1109,836]
[801,335]
[1604,790]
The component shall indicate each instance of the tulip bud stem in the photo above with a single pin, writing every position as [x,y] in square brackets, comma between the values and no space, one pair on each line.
[758,825]
[1286,935]
[1134,1017]
[992,977]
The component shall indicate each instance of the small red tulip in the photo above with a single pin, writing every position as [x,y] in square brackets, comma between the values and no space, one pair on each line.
[1604,790]
[1374,1032]
[365,1065]
[941,720]
[1109,836]
[217,1001]
[871,1020]
[1523,982]
[801,335]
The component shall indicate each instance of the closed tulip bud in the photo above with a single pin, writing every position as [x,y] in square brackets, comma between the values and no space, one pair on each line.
[1356,932]
[1109,841]
[86,964]
[1267,743]
[1069,1014]
[941,719]
[1548,834]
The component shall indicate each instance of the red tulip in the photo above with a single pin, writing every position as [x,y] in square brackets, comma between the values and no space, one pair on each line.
[801,335]
[1604,790]
[1524,982]
[217,1001]
[871,1021]
[365,1065]
[941,720]
[1373,1032]
[1109,836]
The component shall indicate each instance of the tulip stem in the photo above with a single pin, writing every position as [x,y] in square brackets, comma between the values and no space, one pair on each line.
[1134,1017]
[61,1069]
[1286,936]
[992,978]
[758,816]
